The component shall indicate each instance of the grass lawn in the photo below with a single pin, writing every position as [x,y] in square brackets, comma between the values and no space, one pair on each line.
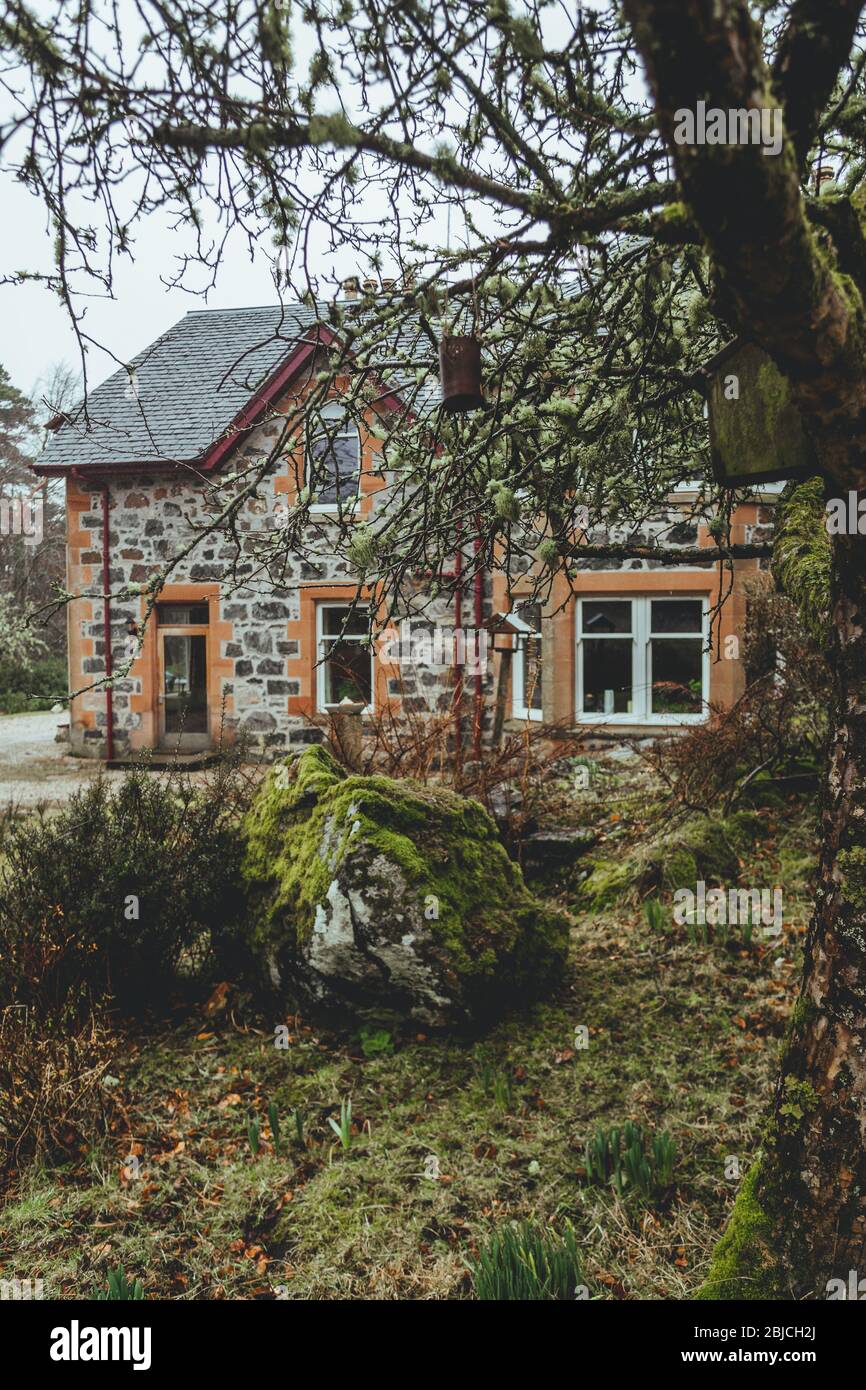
[682,1038]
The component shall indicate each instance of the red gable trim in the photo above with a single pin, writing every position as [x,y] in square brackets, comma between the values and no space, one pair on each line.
[251,413]
[261,399]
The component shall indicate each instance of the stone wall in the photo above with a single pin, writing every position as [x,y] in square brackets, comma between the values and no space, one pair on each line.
[266,686]
[262,654]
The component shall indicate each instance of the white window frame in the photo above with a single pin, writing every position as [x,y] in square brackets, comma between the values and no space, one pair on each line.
[641,662]
[333,410]
[519,708]
[321,638]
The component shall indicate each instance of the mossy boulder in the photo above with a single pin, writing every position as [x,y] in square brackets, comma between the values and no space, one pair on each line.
[702,848]
[374,898]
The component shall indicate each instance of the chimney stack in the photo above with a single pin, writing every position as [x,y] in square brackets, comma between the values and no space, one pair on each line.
[351,287]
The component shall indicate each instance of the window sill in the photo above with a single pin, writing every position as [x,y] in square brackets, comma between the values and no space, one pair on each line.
[646,721]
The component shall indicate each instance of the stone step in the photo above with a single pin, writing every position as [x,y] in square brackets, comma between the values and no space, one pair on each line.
[164,760]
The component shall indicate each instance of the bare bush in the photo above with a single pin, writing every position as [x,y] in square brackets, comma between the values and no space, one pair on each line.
[775,731]
[53,1099]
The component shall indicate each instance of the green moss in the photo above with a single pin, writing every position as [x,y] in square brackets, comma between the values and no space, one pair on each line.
[851,864]
[802,554]
[745,1265]
[609,881]
[310,818]
[753,426]
[701,849]
[676,214]
[800,1099]
[804,1010]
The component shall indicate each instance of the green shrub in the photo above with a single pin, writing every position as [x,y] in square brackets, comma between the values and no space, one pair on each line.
[119,1288]
[528,1263]
[116,892]
[376,1042]
[25,689]
[632,1160]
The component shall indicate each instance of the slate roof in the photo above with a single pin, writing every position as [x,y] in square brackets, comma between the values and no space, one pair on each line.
[191,383]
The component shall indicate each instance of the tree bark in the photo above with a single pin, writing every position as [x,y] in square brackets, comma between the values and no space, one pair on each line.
[825,1063]
[774,280]
[800,1219]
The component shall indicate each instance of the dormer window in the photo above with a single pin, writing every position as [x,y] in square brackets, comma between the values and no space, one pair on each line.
[333,458]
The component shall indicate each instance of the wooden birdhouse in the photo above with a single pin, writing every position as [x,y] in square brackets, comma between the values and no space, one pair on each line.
[756,431]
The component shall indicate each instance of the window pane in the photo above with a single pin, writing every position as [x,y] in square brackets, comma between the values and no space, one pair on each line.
[182,614]
[607,676]
[348,672]
[677,669]
[530,657]
[333,620]
[335,466]
[677,615]
[609,615]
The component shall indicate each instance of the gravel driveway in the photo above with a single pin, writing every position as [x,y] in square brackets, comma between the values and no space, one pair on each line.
[33,767]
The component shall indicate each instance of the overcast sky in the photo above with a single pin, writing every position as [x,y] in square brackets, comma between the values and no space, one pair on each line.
[35,330]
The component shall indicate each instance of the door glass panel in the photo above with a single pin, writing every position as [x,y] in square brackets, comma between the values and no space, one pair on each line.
[182,614]
[677,668]
[529,655]
[606,615]
[607,675]
[185,660]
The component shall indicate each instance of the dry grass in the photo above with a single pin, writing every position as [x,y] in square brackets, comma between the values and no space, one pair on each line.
[683,1038]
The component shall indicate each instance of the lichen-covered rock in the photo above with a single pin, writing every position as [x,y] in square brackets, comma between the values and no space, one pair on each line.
[376,898]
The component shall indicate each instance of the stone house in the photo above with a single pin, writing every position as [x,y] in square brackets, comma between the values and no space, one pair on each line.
[225,648]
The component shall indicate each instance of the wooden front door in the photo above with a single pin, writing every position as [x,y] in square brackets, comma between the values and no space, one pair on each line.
[184,717]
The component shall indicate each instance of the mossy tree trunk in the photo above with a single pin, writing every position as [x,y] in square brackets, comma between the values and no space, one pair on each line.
[800,1219]
[812,1183]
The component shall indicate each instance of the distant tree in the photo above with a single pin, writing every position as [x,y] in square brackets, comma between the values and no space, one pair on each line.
[31,574]
[19,644]
[17,425]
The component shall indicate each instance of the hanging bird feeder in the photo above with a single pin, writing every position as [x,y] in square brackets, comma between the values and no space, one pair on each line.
[756,431]
[460,374]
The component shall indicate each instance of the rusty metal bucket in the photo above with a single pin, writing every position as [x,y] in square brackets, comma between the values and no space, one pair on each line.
[460,374]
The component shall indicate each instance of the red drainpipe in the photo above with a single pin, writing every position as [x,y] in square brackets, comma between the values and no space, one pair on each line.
[479,619]
[458,679]
[106,624]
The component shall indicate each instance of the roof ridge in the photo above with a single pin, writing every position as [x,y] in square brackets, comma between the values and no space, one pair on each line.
[250,308]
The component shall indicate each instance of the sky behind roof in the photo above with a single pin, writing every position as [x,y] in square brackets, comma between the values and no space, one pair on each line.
[35,328]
